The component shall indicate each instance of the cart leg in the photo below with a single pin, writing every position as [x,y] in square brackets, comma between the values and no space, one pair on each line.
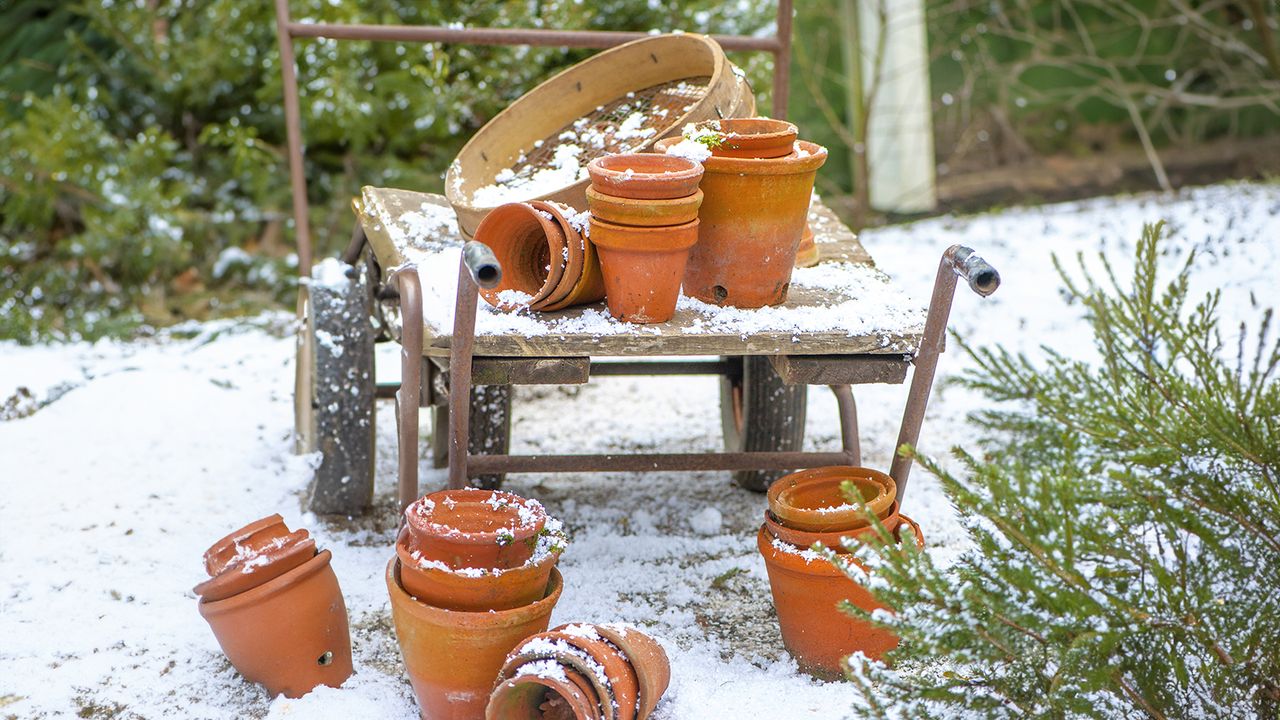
[409,395]
[461,350]
[848,423]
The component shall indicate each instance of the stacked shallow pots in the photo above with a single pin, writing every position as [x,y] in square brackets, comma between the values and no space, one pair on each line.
[811,507]
[547,262]
[582,672]
[757,186]
[474,575]
[644,221]
[276,609]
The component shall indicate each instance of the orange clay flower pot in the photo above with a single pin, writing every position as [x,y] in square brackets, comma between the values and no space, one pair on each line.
[530,246]
[644,213]
[250,538]
[832,539]
[474,590]
[581,282]
[473,528]
[453,657]
[642,268]
[758,137]
[541,690]
[807,254]
[259,568]
[812,500]
[290,633]
[648,659]
[752,216]
[644,176]
[807,589]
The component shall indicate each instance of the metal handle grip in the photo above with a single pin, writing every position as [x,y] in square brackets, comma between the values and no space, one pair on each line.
[483,265]
[981,276]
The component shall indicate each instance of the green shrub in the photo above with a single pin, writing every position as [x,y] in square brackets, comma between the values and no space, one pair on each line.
[1125,516]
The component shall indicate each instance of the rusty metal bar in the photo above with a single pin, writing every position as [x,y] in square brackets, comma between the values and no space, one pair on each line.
[408,398]
[782,61]
[477,267]
[351,255]
[674,367]
[386,391]
[659,462]
[597,39]
[957,261]
[293,130]
[848,410]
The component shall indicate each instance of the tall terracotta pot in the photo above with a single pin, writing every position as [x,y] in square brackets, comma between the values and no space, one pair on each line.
[806,590]
[290,633]
[752,217]
[453,658]
[642,267]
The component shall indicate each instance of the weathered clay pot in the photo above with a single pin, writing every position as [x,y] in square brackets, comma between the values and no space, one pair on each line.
[624,682]
[648,659]
[645,176]
[530,246]
[807,254]
[453,657]
[473,528]
[812,500]
[752,216]
[290,633]
[645,213]
[581,282]
[474,591]
[532,696]
[553,646]
[642,267]
[831,538]
[254,570]
[806,591]
[758,137]
[255,535]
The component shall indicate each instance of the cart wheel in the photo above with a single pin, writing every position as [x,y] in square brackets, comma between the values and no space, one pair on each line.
[335,393]
[759,412]
[490,430]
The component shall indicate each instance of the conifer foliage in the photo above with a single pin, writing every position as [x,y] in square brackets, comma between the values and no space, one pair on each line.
[1125,519]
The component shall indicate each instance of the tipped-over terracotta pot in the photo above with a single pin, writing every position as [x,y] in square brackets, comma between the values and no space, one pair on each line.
[814,501]
[758,137]
[807,589]
[540,691]
[272,562]
[452,657]
[290,633]
[644,213]
[832,539]
[645,176]
[473,528]
[647,657]
[250,538]
[581,282]
[531,248]
[476,591]
[752,216]
[642,268]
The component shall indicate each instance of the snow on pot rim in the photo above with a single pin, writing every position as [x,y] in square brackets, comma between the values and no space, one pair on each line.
[561,648]
[832,539]
[264,566]
[227,548]
[645,176]
[805,157]
[813,500]
[471,527]
[757,137]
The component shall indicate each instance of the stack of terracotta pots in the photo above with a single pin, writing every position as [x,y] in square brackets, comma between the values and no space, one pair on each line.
[547,262]
[644,221]
[757,186]
[582,672]
[275,607]
[811,507]
[474,575]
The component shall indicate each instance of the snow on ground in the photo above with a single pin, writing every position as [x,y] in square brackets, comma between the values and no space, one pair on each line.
[130,458]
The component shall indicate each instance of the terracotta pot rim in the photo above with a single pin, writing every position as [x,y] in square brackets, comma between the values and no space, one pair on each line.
[596,195]
[267,589]
[550,229]
[781,128]
[578,706]
[642,184]
[443,616]
[415,518]
[530,565]
[793,562]
[571,274]
[631,212]
[663,234]
[289,557]
[792,164]
[841,517]
[830,538]
[242,532]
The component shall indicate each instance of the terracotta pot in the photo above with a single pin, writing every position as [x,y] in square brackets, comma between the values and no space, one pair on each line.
[753,214]
[473,528]
[562,694]
[258,569]
[530,246]
[453,657]
[807,254]
[832,539]
[581,282]
[806,591]
[474,592]
[288,634]
[554,647]
[256,534]
[648,659]
[812,500]
[644,176]
[644,213]
[642,268]
[623,679]
[758,137]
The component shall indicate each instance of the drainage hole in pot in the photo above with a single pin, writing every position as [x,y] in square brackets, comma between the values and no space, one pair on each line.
[325,659]
[720,293]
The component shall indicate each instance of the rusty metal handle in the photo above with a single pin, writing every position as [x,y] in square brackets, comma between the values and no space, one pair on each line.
[483,265]
[981,276]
